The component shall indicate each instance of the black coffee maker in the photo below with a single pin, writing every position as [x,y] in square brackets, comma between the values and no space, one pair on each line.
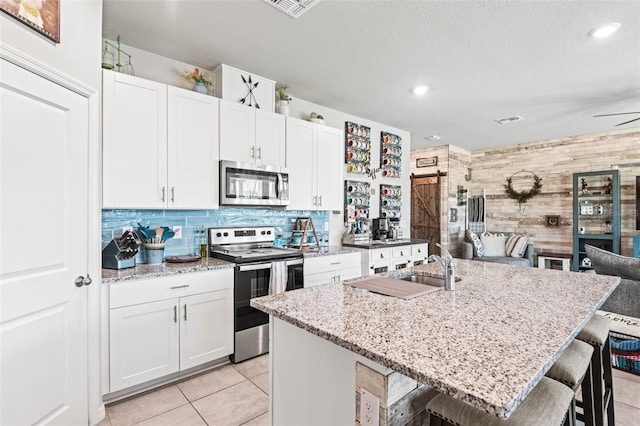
[380,229]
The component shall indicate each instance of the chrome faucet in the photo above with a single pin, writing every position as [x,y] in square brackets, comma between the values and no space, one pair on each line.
[448,267]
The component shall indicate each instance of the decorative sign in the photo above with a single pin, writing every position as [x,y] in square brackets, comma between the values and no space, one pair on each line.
[427,162]
[42,16]
[250,86]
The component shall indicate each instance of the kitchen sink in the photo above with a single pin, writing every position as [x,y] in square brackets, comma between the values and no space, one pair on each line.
[425,279]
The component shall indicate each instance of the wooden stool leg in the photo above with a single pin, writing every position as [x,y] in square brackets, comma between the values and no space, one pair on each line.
[435,420]
[608,383]
[587,397]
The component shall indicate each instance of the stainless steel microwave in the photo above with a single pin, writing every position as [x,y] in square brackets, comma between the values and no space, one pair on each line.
[247,184]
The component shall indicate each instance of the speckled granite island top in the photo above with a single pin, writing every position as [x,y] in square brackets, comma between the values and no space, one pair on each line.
[153,271]
[487,343]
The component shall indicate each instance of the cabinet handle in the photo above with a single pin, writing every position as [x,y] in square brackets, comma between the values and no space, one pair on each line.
[320,200]
[381,256]
[315,200]
[173,193]
[185,311]
[335,263]
[259,153]
[401,253]
[179,286]
[175,313]
[253,151]
[163,194]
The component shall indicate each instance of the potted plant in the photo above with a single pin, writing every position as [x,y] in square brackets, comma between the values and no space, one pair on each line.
[284,97]
[200,78]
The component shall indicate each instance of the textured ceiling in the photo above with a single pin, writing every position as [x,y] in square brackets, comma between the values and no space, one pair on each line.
[482,60]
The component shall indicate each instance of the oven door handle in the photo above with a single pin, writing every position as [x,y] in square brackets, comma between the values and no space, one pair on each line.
[257,267]
[267,265]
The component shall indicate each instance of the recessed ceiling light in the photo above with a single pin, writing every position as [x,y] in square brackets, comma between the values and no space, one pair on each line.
[433,138]
[420,90]
[605,30]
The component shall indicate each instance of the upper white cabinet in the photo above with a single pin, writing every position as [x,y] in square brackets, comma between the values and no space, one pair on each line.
[251,135]
[160,145]
[314,161]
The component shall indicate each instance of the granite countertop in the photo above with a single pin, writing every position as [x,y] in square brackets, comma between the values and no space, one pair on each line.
[330,251]
[487,343]
[388,243]
[142,271]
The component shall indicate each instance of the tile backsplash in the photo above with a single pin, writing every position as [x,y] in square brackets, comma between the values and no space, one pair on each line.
[283,220]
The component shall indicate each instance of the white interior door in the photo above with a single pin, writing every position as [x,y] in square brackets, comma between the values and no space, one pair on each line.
[43,248]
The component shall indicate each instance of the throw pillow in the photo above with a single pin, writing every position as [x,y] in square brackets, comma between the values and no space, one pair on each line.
[516,245]
[520,247]
[474,239]
[607,263]
[494,244]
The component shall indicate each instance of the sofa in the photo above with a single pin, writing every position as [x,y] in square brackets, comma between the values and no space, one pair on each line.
[625,299]
[470,251]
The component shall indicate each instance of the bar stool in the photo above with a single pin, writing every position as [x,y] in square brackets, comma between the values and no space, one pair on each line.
[596,333]
[549,403]
[573,369]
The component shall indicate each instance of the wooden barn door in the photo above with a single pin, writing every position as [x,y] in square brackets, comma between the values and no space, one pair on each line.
[425,209]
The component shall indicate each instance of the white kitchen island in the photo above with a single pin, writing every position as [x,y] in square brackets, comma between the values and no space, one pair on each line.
[487,343]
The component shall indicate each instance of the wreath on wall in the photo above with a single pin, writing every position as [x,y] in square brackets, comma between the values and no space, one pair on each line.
[523,196]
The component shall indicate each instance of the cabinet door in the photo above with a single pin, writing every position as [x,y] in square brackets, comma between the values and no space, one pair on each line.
[237,132]
[300,143]
[329,168]
[206,327]
[134,142]
[143,343]
[192,153]
[270,138]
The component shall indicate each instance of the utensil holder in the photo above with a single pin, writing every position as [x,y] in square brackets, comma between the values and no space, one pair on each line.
[155,253]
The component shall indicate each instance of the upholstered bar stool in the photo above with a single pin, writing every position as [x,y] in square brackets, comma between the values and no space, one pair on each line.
[596,333]
[548,404]
[573,369]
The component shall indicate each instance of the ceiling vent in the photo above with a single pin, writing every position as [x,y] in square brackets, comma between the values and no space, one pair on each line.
[433,138]
[293,8]
[507,120]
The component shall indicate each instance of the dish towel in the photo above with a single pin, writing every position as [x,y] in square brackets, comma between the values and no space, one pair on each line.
[278,278]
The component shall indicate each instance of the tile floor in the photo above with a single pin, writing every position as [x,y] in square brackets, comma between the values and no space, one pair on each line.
[237,394]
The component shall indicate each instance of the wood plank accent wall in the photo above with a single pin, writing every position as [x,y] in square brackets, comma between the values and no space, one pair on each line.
[554,161]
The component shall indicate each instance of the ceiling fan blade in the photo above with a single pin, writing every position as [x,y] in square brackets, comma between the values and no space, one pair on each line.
[618,113]
[627,122]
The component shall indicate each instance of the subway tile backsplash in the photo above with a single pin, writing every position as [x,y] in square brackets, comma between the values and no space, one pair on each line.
[283,220]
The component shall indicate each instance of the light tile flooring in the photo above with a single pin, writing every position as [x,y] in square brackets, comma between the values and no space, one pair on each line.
[237,394]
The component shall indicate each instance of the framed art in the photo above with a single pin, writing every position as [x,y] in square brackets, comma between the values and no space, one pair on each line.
[552,220]
[42,16]
[427,162]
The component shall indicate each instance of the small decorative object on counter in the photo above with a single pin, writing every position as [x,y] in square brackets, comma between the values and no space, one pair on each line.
[390,154]
[154,242]
[200,79]
[284,97]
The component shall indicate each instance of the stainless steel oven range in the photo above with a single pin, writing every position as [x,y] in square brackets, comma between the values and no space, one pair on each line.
[251,249]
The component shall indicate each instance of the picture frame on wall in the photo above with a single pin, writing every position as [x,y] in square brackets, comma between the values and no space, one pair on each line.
[43,16]
[552,220]
[427,162]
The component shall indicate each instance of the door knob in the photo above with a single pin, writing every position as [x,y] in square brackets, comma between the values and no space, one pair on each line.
[80,280]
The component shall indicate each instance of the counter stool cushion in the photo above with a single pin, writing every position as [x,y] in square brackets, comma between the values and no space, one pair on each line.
[546,405]
[572,364]
[596,331]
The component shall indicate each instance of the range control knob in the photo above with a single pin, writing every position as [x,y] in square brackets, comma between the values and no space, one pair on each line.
[268,232]
[218,235]
[226,234]
[262,232]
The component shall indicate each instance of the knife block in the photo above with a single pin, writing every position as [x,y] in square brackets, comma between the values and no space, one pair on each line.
[114,257]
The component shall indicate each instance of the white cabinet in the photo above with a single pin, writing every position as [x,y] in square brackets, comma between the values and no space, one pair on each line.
[333,268]
[160,145]
[419,254]
[250,135]
[163,325]
[314,161]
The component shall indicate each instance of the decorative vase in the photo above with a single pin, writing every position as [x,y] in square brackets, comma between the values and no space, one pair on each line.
[283,108]
[201,88]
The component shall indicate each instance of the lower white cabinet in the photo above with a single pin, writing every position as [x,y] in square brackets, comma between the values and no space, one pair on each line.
[334,268]
[390,259]
[164,325]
